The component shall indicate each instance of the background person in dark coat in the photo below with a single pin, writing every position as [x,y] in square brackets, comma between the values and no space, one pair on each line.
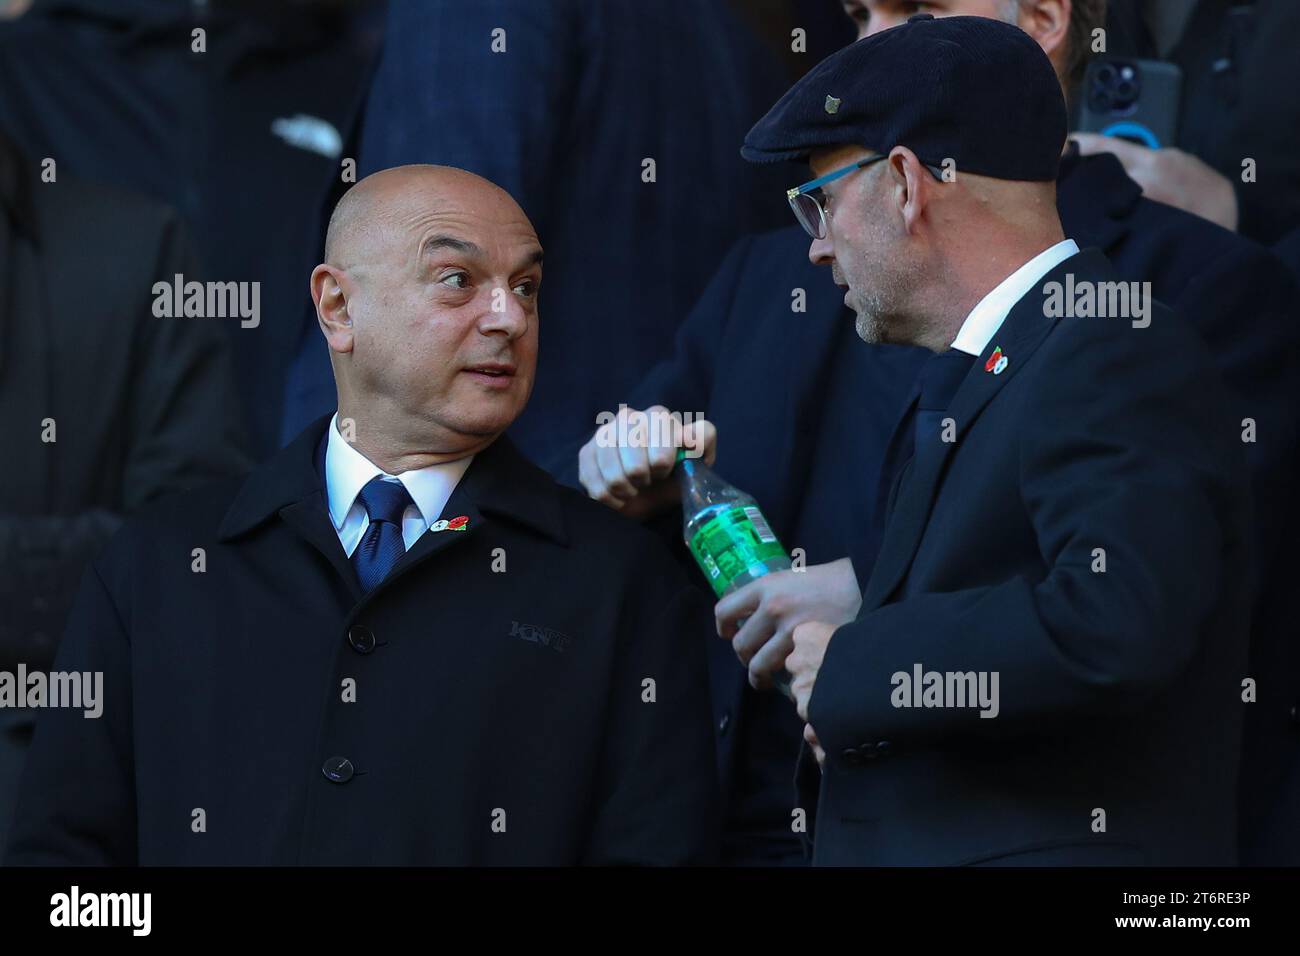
[1237,58]
[410,647]
[109,408]
[245,137]
[803,415]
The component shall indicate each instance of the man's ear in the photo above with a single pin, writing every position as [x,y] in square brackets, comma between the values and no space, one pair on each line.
[1048,22]
[912,185]
[327,291]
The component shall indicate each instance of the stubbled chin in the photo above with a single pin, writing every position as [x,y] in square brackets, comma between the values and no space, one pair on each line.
[869,330]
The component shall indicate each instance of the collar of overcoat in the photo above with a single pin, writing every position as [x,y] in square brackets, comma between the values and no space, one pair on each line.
[500,484]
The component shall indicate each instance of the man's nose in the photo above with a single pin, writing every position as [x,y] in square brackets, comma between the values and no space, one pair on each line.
[505,313]
[821,252]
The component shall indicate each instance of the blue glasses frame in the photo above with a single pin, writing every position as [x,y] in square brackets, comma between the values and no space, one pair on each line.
[806,200]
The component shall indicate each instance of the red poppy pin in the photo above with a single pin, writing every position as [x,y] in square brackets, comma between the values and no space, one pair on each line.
[459,523]
[997,362]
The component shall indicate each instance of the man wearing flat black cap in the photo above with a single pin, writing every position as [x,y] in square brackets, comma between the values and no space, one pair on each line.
[1039,673]
[811,452]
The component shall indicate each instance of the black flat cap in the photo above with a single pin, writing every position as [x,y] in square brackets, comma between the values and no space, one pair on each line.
[971,89]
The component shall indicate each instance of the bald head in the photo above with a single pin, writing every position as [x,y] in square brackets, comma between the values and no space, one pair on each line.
[428,300]
[379,202]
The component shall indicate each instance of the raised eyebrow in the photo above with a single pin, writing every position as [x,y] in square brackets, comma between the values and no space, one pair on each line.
[463,246]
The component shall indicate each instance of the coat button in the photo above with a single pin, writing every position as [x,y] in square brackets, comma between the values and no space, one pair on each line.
[338,769]
[851,756]
[361,638]
[724,723]
[882,748]
[1295,714]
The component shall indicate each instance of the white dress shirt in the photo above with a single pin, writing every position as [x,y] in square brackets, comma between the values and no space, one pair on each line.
[991,311]
[347,471]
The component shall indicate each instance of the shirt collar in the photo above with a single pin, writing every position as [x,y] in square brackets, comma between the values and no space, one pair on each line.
[500,482]
[991,311]
[347,471]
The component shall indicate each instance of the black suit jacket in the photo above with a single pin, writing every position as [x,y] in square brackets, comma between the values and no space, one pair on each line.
[502,709]
[1119,690]
[773,380]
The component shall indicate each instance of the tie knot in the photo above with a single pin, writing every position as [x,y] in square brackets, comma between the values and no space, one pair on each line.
[941,376]
[385,500]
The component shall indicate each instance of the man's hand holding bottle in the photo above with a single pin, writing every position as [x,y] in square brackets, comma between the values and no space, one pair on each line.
[759,619]
[628,463]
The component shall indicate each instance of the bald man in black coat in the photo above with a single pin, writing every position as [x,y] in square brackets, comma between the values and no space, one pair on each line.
[396,642]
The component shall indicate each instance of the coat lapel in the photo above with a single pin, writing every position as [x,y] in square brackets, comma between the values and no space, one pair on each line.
[309,518]
[291,485]
[1021,333]
[498,483]
[461,503]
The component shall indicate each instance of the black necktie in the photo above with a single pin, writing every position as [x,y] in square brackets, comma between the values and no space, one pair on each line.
[382,546]
[940,378]
[920,428]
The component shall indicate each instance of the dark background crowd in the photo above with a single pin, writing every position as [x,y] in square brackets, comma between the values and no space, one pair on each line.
[211,139]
